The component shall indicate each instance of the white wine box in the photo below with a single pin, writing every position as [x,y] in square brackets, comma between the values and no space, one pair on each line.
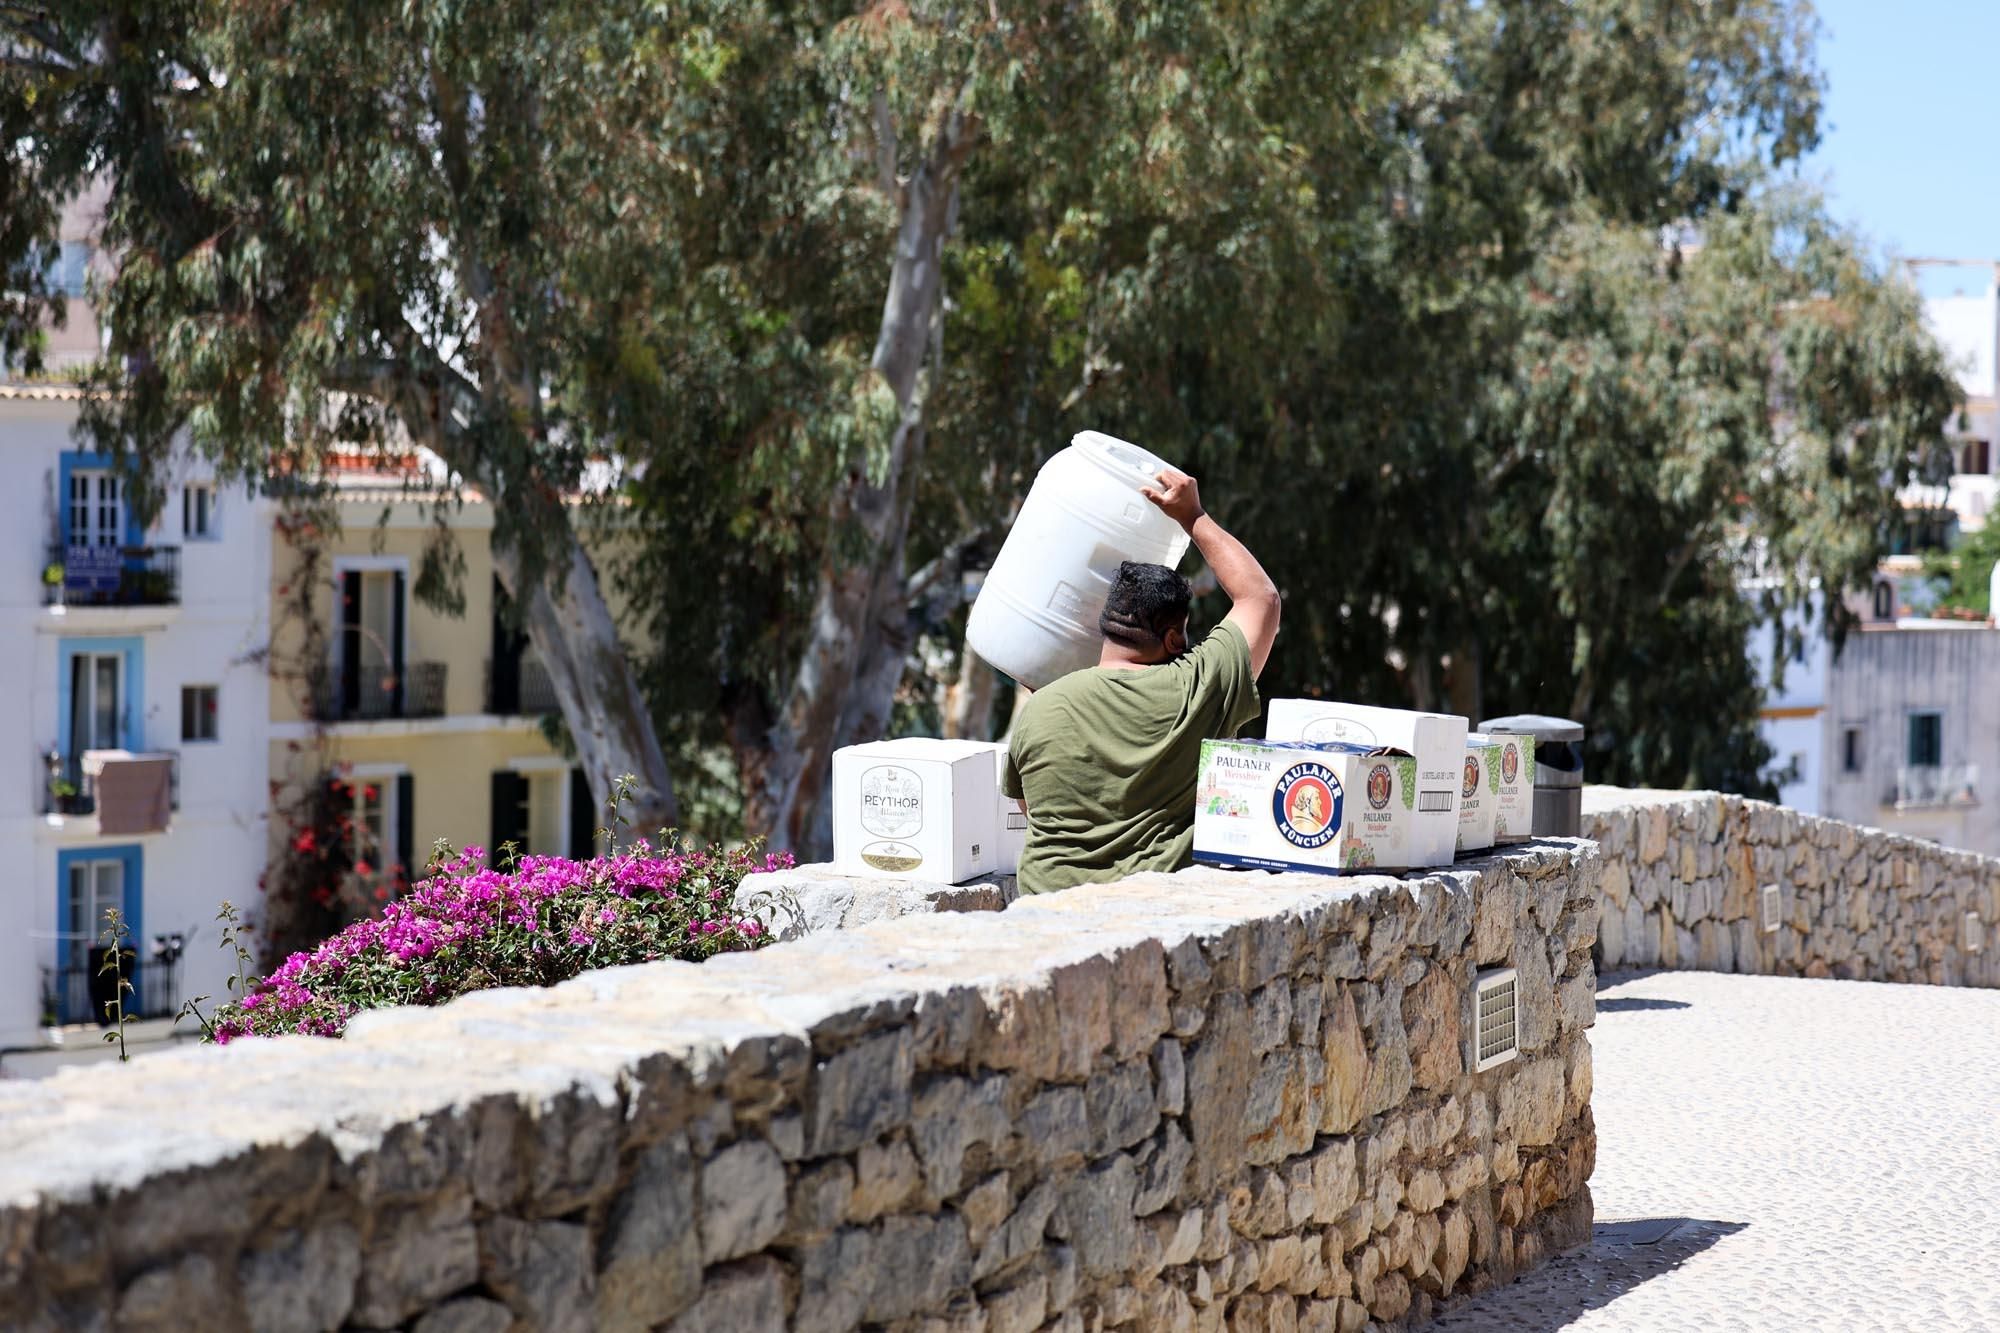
[916,808]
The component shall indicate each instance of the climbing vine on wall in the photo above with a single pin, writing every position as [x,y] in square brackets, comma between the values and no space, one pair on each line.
[326,871]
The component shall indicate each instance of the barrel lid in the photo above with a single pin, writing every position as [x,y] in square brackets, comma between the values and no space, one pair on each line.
[1123,459]
[1539,725]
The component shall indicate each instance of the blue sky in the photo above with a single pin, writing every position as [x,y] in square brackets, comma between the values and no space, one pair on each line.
[1912,106]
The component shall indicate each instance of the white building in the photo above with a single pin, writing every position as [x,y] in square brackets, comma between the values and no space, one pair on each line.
[1793,721]
[141,649]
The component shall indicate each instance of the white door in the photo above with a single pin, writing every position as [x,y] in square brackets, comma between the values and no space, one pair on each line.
[94,887]
[96,690]
[96,508]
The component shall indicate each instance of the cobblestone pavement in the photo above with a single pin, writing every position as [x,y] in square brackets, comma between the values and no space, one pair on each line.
[1819,1155]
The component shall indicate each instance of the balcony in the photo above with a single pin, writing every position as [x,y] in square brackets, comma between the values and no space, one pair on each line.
[374,695]
[70,786]
[529,692]
[112,576]
[1932,787]
[78,994]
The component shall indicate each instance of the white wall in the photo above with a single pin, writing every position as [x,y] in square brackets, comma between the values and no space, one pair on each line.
[1794,704]
[215,848]
[1965,326]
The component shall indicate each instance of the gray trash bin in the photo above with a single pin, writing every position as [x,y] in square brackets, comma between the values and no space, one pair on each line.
[1558,769]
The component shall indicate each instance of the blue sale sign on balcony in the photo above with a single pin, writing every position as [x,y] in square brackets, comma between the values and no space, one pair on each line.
[92,569]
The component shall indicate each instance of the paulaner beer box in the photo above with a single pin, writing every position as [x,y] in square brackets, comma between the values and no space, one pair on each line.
[916,809]
[1301,805]
[1506,784]
[1437,740]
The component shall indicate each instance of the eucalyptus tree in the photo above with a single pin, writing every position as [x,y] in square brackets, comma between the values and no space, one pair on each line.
[377,225]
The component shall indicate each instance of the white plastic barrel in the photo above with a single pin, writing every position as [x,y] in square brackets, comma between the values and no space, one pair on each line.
[1036,615]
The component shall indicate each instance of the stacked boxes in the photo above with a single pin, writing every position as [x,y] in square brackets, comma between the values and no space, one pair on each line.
[1506,785]
[1435,740]
[1325,806]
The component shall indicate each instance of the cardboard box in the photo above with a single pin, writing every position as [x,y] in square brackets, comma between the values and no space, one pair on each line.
[1010,819]
[1511,782]
[1299,805]
[915,809]
[1437,740]
[1476,805]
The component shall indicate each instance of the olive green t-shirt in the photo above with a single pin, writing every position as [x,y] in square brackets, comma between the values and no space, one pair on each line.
[1105,760]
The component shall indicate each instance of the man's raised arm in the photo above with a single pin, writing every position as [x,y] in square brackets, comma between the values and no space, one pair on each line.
[1253,597]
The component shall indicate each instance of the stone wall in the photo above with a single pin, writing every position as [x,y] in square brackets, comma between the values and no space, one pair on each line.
[1197,1101]
[1684,873]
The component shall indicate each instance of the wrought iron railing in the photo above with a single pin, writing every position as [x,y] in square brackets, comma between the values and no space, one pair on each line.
[68,790]
[379,693]
[532,692]
[76,993]
[1927,786]
[112,576]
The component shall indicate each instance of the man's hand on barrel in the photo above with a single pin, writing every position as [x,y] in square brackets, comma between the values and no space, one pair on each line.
[1175,492]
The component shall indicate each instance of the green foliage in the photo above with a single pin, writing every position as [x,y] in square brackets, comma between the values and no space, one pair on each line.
[1962,578]
[1483,321]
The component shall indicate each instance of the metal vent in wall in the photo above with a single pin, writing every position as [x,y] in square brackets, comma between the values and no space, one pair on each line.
[1975,933]
[1497,1037]
[1772,912]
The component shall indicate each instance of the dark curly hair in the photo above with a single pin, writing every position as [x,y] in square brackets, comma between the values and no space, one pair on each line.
[1147,603]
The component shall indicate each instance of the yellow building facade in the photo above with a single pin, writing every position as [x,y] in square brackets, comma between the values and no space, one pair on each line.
[425,726]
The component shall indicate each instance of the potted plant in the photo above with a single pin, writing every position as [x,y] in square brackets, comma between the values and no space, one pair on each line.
[52,582]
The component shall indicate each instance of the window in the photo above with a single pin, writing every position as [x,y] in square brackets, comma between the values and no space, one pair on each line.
[531,808]
[96,712]
[198,712]
[1885,601]
[96,508]
[1926,740]
[1850,750]
[94,887]
[69,268]
[198,512]
[1975,458]
[377,805]
[370,642]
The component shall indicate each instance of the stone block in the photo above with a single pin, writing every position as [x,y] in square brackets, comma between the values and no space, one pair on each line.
[416,1256]
[466,1314]
[860,1094]
[1139,999]
[885,1176]
[746,1297]
[1121,1106]
[1346,1055]
[1095,1215]
[1271,1016]
[1431,1018]
[1055,1125]
[163,1298]
[743,1199]
[304,1282]
[649,1253]
[986,1206]
[542,1270]
[1220,1069]
[948,1117]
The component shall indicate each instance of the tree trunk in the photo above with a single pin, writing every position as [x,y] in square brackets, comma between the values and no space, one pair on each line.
[1466,683]
[860,633]
[577,641]
[968,704]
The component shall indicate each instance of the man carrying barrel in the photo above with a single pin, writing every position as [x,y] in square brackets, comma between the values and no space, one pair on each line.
[1104,760]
